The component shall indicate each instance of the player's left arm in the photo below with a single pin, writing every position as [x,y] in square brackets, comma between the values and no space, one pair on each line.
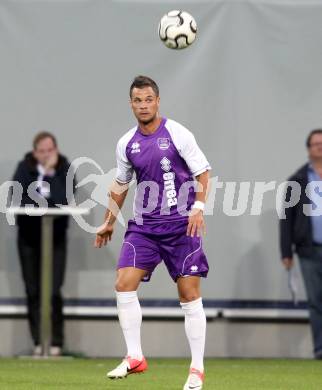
[196,222]
[199,167]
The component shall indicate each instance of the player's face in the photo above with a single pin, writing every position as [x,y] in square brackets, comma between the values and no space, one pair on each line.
[44,150]
[315,148]
[145,104]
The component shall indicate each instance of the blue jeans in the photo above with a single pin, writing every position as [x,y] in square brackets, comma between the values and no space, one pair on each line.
[312,275]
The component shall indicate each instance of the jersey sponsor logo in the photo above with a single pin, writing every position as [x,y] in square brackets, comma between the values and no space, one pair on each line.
[165,164]
[163,143]
[168,180]
[135,147]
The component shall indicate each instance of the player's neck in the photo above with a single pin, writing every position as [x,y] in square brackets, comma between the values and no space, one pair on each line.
[151,127]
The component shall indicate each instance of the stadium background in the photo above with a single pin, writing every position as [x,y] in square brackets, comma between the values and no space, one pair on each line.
[249,88]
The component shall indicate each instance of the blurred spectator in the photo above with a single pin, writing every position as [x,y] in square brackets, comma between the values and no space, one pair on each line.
[47,168]
[303,234]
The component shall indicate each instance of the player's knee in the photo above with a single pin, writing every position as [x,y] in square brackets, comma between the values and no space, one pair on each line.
[189,296]
[122,285]
[119,286]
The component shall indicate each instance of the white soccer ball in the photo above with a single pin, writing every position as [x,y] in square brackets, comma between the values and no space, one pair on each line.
[177,29]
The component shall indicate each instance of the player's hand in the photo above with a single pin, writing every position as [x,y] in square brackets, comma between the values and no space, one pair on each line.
[196,224]
[103,235]
[288,262]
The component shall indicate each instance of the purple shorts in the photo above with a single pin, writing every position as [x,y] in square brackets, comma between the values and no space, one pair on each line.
[182,255]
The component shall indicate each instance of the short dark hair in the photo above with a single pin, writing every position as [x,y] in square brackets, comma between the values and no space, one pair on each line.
[42,135]
[309,137]
[142,82]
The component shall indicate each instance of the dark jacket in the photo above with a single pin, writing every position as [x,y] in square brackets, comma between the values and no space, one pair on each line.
[296,229]
[26,173]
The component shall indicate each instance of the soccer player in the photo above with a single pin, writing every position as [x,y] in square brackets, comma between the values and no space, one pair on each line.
[168,224]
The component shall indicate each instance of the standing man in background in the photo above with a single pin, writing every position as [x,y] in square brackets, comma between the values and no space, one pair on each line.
[304,234]
[47,169]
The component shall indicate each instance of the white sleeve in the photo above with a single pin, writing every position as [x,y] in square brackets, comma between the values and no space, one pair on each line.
[124,173]
[188,148]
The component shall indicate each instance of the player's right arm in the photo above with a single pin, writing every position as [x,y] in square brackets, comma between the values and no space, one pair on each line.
[117,193]
[117,197]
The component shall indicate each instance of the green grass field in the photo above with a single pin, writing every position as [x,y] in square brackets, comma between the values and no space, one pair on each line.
[163,374]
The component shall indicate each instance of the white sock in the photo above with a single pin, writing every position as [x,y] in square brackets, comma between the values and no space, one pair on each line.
[130,317]
[195,326]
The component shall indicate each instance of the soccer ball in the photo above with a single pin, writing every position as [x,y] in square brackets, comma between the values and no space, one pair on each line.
[177,29]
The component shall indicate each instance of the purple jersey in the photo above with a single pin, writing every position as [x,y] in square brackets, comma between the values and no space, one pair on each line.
[165,163]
